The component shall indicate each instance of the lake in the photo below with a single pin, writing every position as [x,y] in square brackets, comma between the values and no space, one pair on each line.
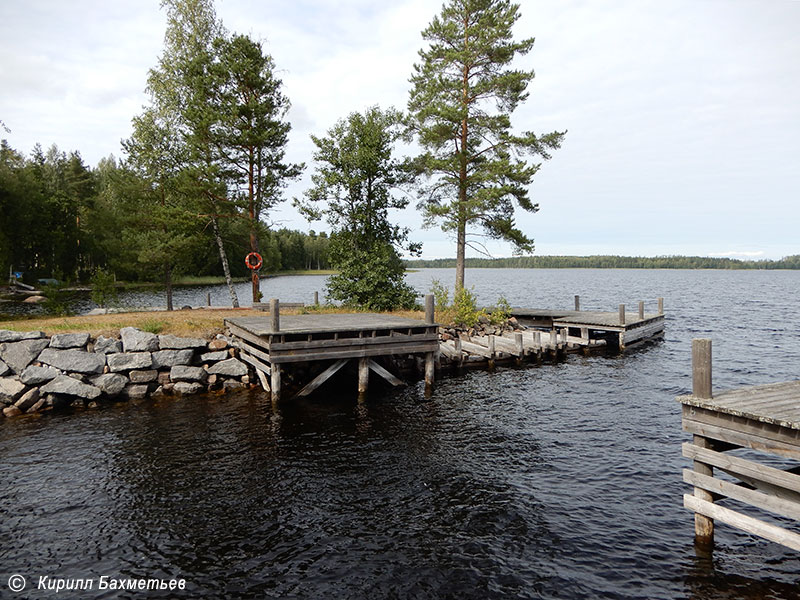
[558,481]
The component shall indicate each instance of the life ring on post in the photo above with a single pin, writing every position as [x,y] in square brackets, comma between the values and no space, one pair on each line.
[255,266]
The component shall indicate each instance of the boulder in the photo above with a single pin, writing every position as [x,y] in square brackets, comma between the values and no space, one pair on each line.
[127,361]
[214,356]
[63,341]
[110,384]
[143,376]
[41,404]
[135,392]
[184,373]
[231,386]
[11,389]
[136,340]
[4,368]
[75,361]
[35,300]
[18,336]
[11,411]
[19,355]
[164,359]
[218,344]
[33,375]
[67,386]
[231,368]
[104,345]
[172,342]
[28,400]
[185,388]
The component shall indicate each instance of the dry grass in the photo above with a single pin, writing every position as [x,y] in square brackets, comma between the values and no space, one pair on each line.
[195,323]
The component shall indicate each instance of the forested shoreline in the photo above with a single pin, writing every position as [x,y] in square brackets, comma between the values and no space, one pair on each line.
[609,262]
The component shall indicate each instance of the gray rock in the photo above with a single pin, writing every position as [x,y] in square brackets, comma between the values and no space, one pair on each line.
[33,375]
[75,361]
[68,386]
[173,342]
[136,392]
[185,388]
[19,355]
[214,356]
[18,336]
[4,368]
[28,400]
[231,367]
[110,384]
[11,389]
[143,376]
[231,386]
[218,344]
[164,359]
[104,345]
[63,341]
[183,373]
[126,361]
[136,340]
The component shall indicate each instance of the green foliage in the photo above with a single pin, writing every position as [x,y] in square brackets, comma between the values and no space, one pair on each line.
[152,325]
[441,296]
[58,301]
[104,291]
[475,161]
[353,184]
[502,311]
[466,313]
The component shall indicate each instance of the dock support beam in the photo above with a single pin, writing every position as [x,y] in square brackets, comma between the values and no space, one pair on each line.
[275,314]
[275,382]
[363,375]
[661,306]
[520,347]
[622,314]
[701,388]
[577,302]
[641,309]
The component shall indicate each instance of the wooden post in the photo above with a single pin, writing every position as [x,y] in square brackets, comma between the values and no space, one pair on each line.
[275,313]
[316,298]
[491,345]
[457,343]
[661,306]
[641,309]
[701,368]
[577,302]
[701,387]
[554,342]
[275,382]
[564,336]
[208,299]
[429,309]
[363,375]
[622,314]
[520,347]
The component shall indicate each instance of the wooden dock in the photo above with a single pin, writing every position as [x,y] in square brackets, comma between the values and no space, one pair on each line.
[620,328]
[267,343]
[764,418]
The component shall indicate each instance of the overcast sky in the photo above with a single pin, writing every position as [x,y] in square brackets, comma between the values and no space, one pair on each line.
[683,116]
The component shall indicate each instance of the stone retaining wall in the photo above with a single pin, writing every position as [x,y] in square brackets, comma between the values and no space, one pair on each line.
[38,373]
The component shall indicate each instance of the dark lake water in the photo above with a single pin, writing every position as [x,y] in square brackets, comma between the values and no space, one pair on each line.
[559,481]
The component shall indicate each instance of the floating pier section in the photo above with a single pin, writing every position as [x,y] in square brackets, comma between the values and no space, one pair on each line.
[763,418]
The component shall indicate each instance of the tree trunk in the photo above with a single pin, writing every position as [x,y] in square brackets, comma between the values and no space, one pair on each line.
[461,244]
[225,268]
[253,216]
[168,283]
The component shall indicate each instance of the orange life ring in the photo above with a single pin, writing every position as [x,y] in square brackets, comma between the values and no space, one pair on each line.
[254,266]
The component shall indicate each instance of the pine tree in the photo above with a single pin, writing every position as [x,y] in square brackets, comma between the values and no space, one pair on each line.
[463,94]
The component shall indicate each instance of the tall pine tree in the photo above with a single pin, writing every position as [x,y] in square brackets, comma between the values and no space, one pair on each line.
[464,91]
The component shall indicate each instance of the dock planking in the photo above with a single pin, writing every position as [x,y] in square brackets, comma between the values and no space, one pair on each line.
[763,418]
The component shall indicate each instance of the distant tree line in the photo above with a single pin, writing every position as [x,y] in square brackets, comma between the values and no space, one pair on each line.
[62,219]
[609,262]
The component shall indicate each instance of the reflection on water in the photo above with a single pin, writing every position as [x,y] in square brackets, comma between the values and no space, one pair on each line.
[558,481]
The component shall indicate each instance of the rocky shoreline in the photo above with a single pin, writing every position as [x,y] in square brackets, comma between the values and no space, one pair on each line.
[40,373]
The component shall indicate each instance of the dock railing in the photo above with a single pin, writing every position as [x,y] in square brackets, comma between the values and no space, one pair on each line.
[763,418]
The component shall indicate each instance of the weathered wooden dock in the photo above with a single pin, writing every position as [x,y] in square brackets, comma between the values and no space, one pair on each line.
[620,328]
[764,418]
[267,343]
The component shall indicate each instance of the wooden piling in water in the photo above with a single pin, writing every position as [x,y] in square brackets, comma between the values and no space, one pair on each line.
[316,298]
[275,314]
[641,310]
[622,314]
[577,302]
[430,357]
